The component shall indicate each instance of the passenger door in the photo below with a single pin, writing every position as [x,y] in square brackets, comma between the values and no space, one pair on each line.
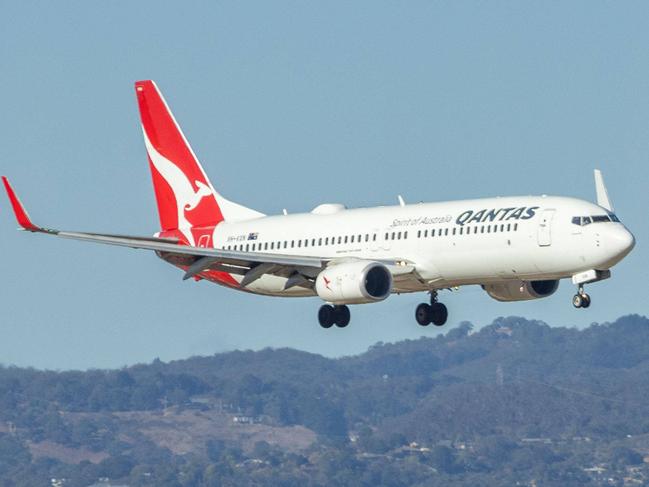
[544,235]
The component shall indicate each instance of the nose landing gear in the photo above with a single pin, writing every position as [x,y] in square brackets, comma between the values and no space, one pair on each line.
[435,313]
[581,299]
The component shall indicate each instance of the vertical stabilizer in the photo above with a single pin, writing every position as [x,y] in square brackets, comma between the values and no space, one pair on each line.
[184,194]
[602,194]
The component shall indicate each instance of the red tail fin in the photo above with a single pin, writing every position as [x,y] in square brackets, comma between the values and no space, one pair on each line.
[183,192]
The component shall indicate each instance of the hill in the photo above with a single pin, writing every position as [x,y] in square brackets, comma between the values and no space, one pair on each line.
[517,402]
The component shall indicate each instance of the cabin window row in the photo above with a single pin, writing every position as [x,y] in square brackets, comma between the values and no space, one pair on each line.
[445,232]
[303,243]
[350,239]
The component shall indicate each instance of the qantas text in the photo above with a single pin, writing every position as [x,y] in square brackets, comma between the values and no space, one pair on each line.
[499,214]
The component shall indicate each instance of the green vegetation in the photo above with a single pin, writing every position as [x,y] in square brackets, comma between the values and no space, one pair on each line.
[516,401]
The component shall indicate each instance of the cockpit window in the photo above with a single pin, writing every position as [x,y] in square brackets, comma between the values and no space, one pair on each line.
[586,220]
[601,218]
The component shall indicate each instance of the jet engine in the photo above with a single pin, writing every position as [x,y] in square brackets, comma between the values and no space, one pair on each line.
[354,283]
[521,290]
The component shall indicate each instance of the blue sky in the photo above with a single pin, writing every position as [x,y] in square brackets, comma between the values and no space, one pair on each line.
[288,105]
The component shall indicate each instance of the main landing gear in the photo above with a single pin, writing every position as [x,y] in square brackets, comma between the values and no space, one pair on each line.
[329,315]
[581,299]
[435,313]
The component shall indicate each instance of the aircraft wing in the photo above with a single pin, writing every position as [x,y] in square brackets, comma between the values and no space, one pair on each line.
[251,265]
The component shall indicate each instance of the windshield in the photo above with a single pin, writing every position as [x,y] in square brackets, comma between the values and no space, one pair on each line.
[587,220]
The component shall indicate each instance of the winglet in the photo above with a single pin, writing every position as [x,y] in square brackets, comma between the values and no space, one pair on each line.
[19,210]
[602,194]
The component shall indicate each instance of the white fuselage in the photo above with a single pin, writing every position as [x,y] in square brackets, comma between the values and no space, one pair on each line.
[450,243]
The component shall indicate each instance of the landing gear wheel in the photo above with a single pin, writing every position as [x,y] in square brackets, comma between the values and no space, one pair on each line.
[341,316]
[326,316]
[577,301]
[581,299]
[423,314]
[439,314]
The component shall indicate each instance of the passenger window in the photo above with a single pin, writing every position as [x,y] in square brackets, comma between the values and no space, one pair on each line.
[446,232]
[345,238]
[319,242]
[351,239]
[386,236]
[453,230]
[405,234]
[515,226]
[292,244]
[374,238]
[367,237]
[418,233]
[399,236]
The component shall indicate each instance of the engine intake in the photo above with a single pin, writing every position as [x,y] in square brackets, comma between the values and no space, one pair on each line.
[354,283]
[521,290]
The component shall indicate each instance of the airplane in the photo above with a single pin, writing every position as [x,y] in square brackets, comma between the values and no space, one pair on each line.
[515,248]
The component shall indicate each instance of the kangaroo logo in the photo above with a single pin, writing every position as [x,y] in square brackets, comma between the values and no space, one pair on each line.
[327,282]
[187,199]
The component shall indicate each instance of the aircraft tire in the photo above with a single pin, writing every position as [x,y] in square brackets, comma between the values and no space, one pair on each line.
[326,316]
[342,316]
[577,301]
[423,314]
[439,314]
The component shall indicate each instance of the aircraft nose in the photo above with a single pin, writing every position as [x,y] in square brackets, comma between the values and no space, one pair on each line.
[621,241]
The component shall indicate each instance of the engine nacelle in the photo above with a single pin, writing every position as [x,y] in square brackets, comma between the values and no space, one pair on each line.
[354,283]
[521,290]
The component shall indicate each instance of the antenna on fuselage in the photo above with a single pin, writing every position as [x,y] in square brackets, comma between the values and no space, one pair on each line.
[602,194]
[401,202]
